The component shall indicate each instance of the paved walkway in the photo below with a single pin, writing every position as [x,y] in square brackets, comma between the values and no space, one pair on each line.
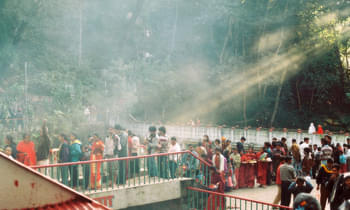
[267,194]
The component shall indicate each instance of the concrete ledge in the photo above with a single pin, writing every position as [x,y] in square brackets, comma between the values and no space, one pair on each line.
[123,198]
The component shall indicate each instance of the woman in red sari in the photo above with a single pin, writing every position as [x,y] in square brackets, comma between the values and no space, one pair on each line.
[97,149]
[263,166]
[214,201]
[250,172]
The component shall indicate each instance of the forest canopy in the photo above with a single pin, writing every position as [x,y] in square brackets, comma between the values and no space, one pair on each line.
[268,63]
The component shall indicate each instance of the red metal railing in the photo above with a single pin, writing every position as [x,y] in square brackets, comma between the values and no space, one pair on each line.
[104,174]
[209,200]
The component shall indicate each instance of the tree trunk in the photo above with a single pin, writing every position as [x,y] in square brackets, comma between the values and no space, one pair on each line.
[245,90]
[298,95]
[259,55]
[278,96]
[312,99]
[227,38]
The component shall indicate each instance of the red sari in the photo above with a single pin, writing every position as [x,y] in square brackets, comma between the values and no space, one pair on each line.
[214,201]
[26,153]
[262,170]
[96,154]
[250,172]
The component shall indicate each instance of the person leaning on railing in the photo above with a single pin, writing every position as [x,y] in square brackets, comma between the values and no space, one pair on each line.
[189,163]
[173,159]
[63,157]
[152,144]
[75,155]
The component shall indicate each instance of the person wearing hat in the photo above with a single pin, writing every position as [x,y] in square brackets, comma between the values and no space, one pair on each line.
[240,146]
[288,175]
[299,186]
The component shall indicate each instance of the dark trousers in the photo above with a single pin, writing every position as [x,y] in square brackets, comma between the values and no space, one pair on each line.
[64,175]
[121,179]
[315,168]
[134,166]
[163,167]
[172,167]
[151,167]
[285,194]
[74,175]
[324,196]
[86,173]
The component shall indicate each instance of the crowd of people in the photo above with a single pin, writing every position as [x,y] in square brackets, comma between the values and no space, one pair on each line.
[291,167]
[233,165]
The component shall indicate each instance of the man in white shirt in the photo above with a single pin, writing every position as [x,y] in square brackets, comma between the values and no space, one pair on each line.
[135,163]
[303,146]
[218,161]
[109,152]
[174,147]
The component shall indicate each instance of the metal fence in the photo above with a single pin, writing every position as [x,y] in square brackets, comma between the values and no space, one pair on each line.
[209,200]
[253,136]
[114,173]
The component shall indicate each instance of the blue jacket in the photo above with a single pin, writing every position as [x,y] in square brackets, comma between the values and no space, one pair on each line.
[75,151]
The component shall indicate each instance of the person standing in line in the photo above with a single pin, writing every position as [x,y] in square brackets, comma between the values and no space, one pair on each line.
[235,158]
[296,156]
[164,147]
[123,152]
[75,155]
[240,146]
[276,157]
[135,163]
[287,177]
[250,172]
[262,168]
[307,163]
[109,153]
[322,178]
[218,161]
[190,163]
[152,147]
[278,182]
[207,146]
[9,142]
[63,157]
[97,149]
[174,147]
[26,151]
[284,145]
[85,156]
[326,151]
[304,145]
[43,149]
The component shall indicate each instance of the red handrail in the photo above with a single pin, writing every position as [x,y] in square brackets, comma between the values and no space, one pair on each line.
[119,158]
[236,197]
